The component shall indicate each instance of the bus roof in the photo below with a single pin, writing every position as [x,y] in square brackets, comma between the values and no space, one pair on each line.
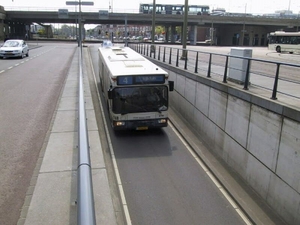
[283,33]
[123,61]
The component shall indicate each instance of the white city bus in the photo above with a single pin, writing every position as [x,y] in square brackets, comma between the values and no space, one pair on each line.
[174,9]
[136,91]
[281,41]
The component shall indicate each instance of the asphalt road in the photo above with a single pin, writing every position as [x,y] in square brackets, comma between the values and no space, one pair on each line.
[163,183]
[29,91]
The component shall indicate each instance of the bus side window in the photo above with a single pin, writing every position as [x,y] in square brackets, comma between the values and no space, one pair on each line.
[294,40]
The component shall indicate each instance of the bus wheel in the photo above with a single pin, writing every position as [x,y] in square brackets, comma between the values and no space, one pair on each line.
[278,49]
[291,52]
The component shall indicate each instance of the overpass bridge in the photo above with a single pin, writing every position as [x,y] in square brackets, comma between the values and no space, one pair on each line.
[228,30]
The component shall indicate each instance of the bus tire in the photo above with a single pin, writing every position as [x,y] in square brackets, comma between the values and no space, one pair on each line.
[278,49]
[291,52]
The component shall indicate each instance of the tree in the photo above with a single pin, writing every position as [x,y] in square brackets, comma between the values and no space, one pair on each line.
[66,30]
[41,32]
[159,30]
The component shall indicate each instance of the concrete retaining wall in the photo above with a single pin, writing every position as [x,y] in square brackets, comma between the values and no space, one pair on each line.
[256,137]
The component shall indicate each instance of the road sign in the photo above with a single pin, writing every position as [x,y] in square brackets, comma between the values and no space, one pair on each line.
[103,14]
[63,13]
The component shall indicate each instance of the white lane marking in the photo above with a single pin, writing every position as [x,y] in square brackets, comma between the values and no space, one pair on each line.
[213,178]
[26,60]
[121,190]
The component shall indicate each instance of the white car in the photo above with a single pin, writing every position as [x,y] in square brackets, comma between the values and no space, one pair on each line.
[14,48]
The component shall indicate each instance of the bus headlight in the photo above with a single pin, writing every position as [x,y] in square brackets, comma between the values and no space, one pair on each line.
[119,123]
[162,121]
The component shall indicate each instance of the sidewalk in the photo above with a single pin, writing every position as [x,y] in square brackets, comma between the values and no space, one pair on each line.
[51,198]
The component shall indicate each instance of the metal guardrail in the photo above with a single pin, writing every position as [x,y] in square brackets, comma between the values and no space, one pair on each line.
[276,77]
[85,196]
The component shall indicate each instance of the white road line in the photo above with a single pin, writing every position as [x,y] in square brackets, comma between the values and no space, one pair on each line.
[26,60]
[213,178]
[121,190]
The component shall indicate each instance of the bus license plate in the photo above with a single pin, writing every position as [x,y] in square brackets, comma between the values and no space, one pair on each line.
[142,128]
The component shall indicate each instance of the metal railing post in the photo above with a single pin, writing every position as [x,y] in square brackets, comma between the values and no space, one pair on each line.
[196,63]
[177,58]
[246,84]
[209,66]
[225,70]
[274,93]
[158,57]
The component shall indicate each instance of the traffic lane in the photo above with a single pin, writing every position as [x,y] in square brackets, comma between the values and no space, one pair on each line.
[164,184]
[34,51]
[28,97]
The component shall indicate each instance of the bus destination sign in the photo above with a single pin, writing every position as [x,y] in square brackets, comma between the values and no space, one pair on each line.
[141,79]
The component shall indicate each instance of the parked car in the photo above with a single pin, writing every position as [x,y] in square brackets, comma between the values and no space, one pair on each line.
[14,48]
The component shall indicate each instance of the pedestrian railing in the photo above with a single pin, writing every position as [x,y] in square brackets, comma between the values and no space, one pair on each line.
[276,77]
[85,196]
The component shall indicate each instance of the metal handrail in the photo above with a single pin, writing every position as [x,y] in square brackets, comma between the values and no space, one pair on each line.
[85,196]
[194,65]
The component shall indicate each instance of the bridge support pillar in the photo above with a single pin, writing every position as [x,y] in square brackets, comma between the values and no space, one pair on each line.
[2,24]
[167,34]
[193,35]
[49,31]
[2,30]
[173,33]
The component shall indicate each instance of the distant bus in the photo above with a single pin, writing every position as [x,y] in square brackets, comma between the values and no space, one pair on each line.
[174,9]
[281,41]
[136,91]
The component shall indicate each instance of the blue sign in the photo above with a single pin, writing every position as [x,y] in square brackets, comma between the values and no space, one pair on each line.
[141,79]
[125,80]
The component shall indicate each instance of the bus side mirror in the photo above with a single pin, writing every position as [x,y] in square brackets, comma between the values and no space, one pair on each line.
[171,85]
[110,94]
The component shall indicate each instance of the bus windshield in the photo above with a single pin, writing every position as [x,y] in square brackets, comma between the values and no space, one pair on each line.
[140,99]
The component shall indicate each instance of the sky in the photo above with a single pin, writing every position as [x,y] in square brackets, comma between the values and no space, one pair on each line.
[242,6]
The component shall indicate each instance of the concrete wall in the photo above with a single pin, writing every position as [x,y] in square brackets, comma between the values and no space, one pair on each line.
[256,137]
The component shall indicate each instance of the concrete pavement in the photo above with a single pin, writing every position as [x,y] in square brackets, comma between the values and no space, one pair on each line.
[51,197]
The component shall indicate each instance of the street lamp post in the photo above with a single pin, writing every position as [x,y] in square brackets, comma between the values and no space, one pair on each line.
[79,17]
[184,35]
[244,25]
[152,49]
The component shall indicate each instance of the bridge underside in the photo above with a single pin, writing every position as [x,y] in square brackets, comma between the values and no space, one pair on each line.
[231,31]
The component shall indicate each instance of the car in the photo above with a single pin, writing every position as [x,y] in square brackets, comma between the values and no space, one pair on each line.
[107,43]
[14,48]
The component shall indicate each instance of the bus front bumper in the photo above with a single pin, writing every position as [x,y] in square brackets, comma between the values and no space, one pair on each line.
[139,124]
